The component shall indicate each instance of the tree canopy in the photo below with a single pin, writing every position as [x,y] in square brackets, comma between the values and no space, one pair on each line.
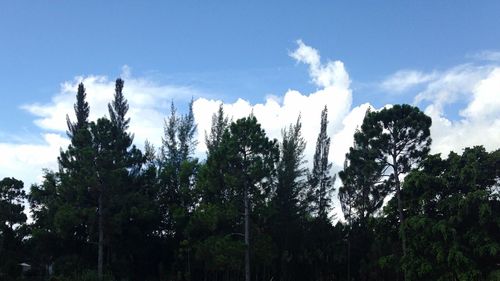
[253,208]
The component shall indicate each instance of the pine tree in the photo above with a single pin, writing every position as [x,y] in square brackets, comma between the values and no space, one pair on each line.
[219,125]
[177,173]
[118,108]
[288,199]
[118,164]
[290,170]
[362,192]
[186,134]
[169,150]
[64,201]
[361,196]
[82,111]
[76,160]
[398,138]
[252,158]
[320,180]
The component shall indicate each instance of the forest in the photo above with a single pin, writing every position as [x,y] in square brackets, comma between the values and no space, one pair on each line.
[253,208]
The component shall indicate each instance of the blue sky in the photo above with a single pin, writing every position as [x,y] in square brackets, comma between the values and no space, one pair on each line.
[231,42]
[392,51]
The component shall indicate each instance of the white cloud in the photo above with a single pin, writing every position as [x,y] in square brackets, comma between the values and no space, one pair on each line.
[148,102]
[488,55]
[277,112]
[332,73]
[26,161]
[453,85]
[405,79]
[478,87]
[480,119]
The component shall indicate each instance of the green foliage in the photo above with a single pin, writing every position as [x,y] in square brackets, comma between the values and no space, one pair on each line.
[320,180]
[219,125]
[165,215]
[453,210]
[12,224]
[361,194]
[390,143]
[99,164]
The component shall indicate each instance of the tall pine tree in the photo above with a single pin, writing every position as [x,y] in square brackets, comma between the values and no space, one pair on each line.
[320,180]
[177,173]
[398,138]
[288,201]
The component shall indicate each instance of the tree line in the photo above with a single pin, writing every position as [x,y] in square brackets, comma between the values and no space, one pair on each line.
[252,210]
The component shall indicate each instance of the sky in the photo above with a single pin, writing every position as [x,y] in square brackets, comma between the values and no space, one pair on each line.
[275,58]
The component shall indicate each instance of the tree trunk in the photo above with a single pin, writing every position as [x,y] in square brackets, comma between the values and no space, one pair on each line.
[401,215]
[400,209]
[100,251]
[349,256]
[247,233]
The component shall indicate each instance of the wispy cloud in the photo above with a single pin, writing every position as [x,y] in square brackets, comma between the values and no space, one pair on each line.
[475,85]
[487,55]
[452,85]
[406,79]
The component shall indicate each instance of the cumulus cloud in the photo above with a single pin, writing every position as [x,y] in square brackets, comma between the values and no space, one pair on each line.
[149,102]
[472,90]
[332,73]
[479,122]
[469,91]
[26,161]
[275,113]
[334,91]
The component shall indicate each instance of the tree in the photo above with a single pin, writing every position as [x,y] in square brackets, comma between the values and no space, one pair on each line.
[219,125]
[12,220]
[452,218]
[110,147]
[69,201]
[361,196]
[118,165]
[118,108]
[251,159]
[177,174]
[102,132]
[82,111]
[288,202]
[320,181]
[399,138]
[215,223]
[186,133]
[362,193]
